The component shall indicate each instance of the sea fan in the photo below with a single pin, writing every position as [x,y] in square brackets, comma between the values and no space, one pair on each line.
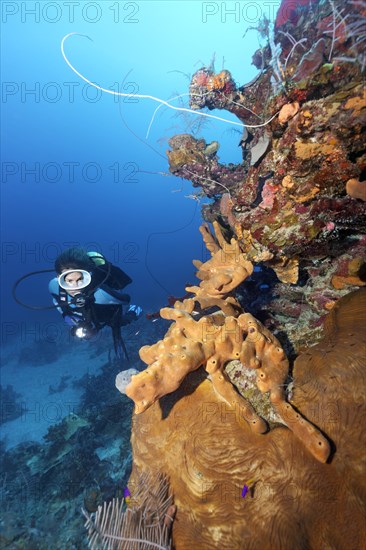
[144,524]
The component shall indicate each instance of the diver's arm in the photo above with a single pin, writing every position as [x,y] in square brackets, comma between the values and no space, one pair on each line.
[57,307]
[71,320]
[112,296]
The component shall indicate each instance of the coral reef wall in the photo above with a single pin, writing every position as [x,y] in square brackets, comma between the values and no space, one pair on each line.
[287,469]
[296,202]
[209,453]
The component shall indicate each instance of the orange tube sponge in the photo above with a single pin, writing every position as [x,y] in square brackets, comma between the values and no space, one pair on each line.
[211,342]
[222,273]
[214,340]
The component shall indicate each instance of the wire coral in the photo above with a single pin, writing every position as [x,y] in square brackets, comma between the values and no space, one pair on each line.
[355,30]
[145,524]
[140,96]
[311,61]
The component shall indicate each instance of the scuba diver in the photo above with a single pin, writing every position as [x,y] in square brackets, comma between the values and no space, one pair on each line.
[87,293]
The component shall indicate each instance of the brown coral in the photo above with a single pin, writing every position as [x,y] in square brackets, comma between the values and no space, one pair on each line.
[287,270]
[186,150]
[217,454]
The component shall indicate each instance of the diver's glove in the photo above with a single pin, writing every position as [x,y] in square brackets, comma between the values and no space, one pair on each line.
[137,310]
[132,314]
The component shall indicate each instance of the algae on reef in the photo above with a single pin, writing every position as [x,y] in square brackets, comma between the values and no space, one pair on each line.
[296,202]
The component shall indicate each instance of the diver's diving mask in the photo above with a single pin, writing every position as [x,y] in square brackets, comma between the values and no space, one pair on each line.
[80,279]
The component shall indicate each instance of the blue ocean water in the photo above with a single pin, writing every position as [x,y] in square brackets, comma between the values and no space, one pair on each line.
[72,173]
[77,167]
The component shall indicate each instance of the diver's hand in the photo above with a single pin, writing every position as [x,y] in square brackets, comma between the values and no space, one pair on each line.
[132,314]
